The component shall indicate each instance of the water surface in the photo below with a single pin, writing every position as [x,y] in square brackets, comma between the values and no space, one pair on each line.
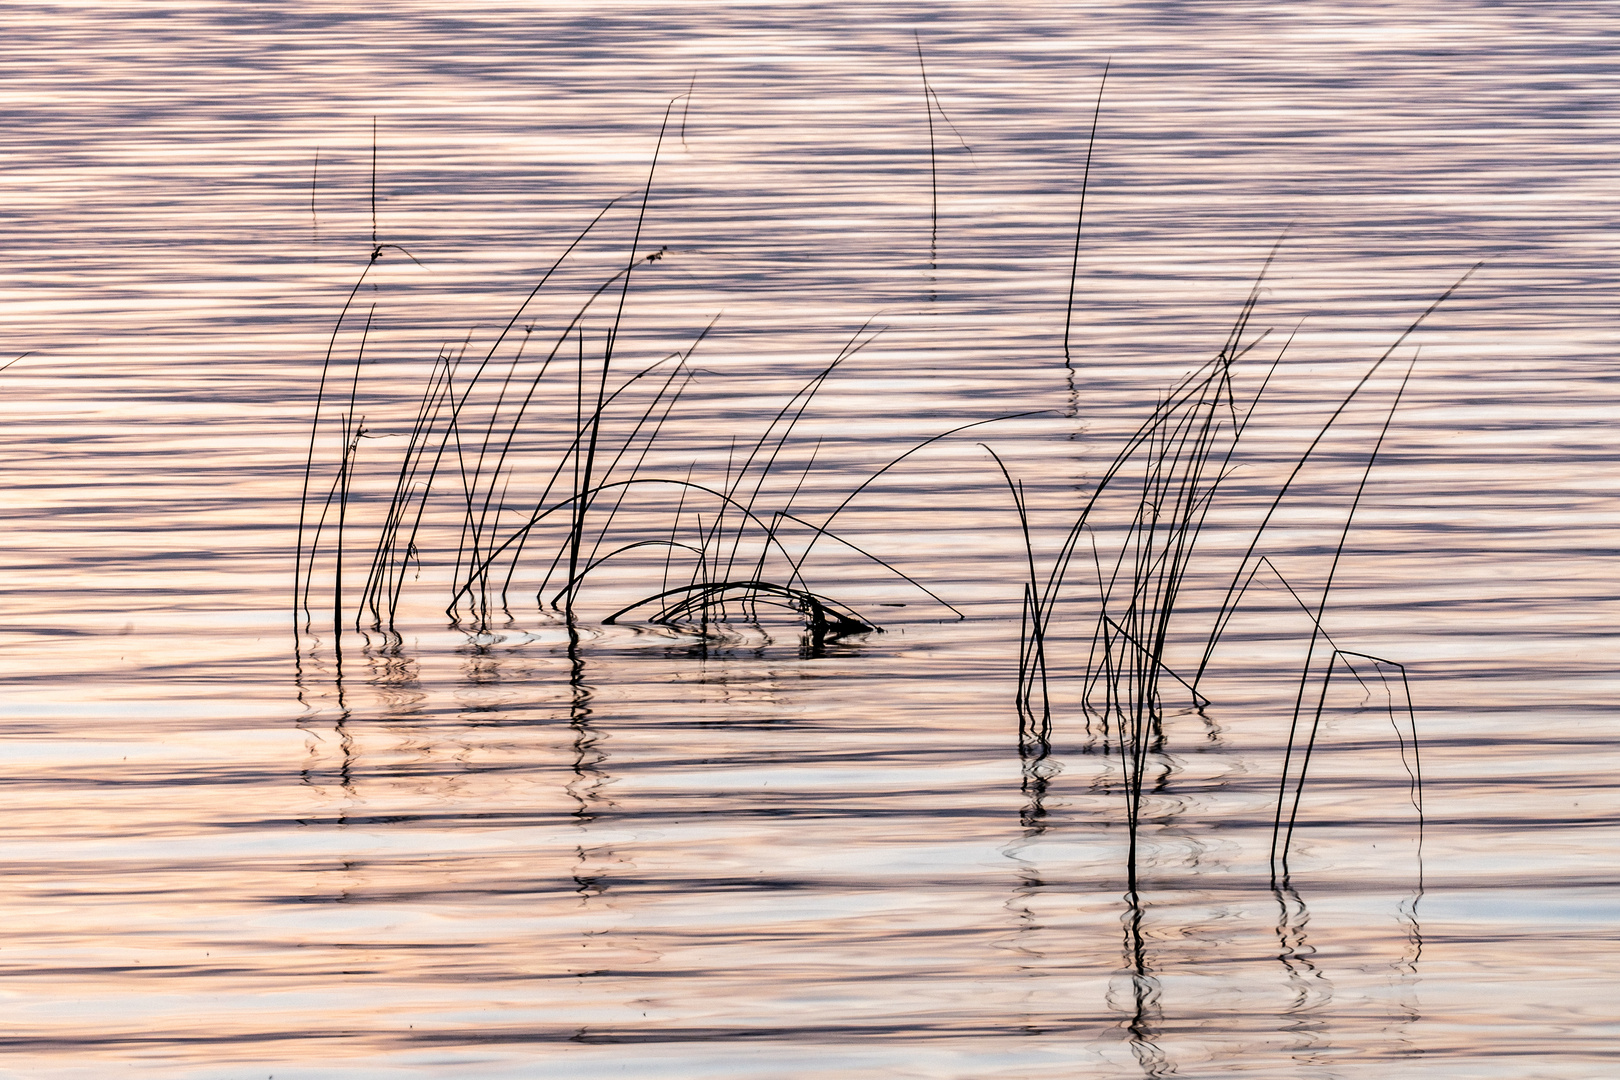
[647,853]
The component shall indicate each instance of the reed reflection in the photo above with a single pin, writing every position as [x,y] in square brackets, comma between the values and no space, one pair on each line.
[320,688]
[1142,1004]
[588,788]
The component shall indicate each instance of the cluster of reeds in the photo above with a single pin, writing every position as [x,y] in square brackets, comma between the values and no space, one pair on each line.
[1135,544]
[556,513]
[1131,558]
[733,545]
[562,509]
[569,508]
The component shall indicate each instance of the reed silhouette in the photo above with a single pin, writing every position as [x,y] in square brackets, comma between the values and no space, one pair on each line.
[560,516]
[578,510]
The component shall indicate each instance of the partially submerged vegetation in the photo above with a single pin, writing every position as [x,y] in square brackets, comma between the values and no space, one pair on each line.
[1150,504]
[726,539]
[556,517]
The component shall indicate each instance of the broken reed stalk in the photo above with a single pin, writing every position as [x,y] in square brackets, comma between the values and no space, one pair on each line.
[1279,851]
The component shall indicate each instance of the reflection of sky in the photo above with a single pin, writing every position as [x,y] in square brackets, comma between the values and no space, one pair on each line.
[814,864]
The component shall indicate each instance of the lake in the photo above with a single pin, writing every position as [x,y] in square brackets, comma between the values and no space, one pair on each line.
[304,782]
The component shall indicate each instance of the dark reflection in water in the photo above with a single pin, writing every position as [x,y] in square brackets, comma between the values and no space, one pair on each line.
[587,788]
[1144,1006]
[1309,989]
